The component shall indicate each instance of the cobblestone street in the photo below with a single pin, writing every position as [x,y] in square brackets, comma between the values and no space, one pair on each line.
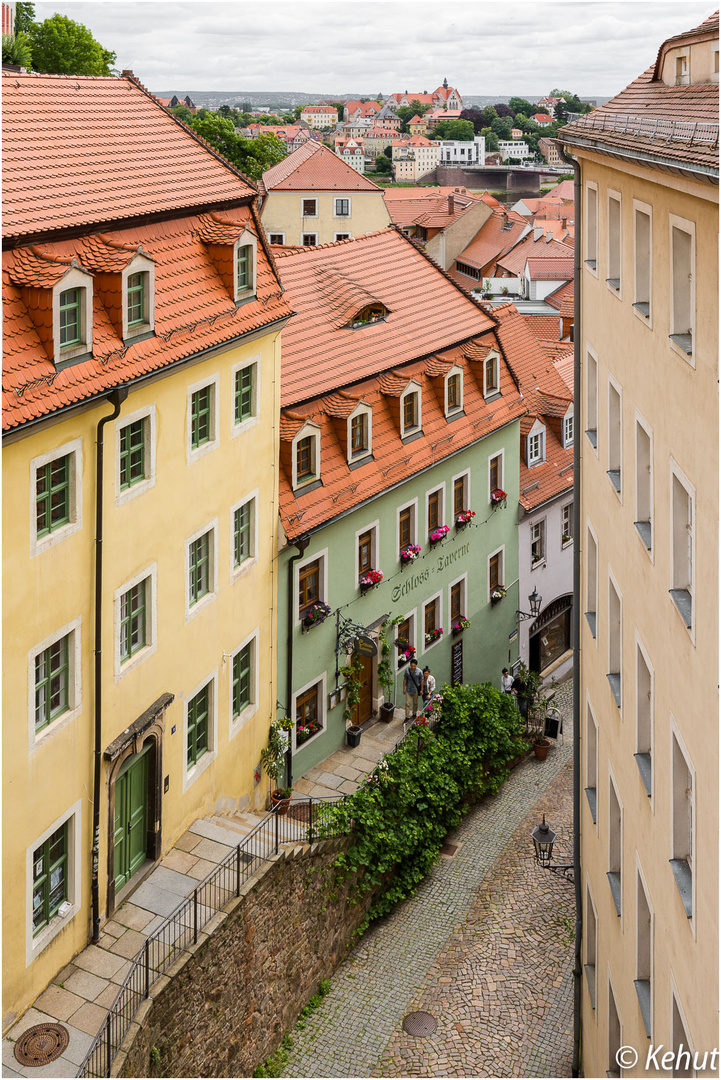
[484,945]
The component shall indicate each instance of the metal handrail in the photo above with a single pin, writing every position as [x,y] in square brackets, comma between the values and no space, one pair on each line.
[181,928]
[688,131]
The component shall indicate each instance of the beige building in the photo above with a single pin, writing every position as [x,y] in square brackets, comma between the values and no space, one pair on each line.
[314,197]
[648,539]
[414,157]
[320,117]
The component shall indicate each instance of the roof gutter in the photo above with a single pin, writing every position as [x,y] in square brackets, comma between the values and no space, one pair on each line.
[695,172]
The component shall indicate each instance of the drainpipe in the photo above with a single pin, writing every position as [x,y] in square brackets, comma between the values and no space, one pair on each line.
[576,619]
[116,399]
[301,544]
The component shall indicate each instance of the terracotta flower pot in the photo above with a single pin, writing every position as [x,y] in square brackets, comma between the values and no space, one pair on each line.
[281,803]
[541,748]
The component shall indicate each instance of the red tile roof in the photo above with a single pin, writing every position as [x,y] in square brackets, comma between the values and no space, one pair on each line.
[562,190]
[534,247]
[193,309]
[544,327]
[550,269]
[560,296]
[564,367]
[493,240]
[427,312]
[542,118]
[431,211]
[314,167]
[64,136]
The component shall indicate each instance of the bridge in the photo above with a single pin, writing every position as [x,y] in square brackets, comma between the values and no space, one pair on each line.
[491,177]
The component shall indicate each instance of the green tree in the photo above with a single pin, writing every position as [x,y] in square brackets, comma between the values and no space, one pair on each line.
[297,111]
[183,113]
[251,156]
[502,127]
[339,106]
[63,47]
[384,165]
[561,93]
[491,140]
[460,130]
[245,106]
[24,16]
[520,105]
[16,50]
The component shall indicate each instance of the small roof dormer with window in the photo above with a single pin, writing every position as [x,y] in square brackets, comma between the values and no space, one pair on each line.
[352,421]
[125,282]
[58,296]
[233,247]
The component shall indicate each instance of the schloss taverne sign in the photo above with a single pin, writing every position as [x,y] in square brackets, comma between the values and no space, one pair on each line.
[442,563]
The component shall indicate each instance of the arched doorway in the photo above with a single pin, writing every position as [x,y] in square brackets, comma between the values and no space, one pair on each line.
[550,634]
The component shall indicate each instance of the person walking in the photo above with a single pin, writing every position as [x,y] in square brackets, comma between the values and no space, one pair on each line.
[412,687]
[429,685]
[506,681]
[518,688]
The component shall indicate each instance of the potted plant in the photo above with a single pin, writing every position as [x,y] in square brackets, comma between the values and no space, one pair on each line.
[370,579]
[541,746]
[406,654]
[410,553]
[438,534]
[498,497]
[352,674]
[463,518]
[497,593]
[272,758]
[434,634]
[461,624]
[565,539]
[386,674]
[486,289]
[315,615]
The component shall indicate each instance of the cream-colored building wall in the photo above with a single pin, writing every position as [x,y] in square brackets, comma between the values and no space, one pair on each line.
[447,245]
[282,212]
[678,402]
[320,121]
[44,778]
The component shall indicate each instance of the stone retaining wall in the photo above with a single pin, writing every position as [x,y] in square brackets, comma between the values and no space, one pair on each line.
[225,1004]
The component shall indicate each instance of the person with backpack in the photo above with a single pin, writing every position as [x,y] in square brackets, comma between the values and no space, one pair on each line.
[412,687]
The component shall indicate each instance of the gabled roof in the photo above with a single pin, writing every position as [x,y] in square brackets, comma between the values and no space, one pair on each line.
[64,136]
[314,167]
[427,312]
[562,190]
[542,118]
[429,211]
[492,240]
[560,297]
[534,247]
[540,269]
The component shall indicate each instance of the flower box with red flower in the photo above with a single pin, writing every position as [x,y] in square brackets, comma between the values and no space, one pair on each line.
[434,635]
[406,653]
[460,624]
[315,615]
[307,731]
[370,579]
[498,497]
[463,518]
[410,553]
[436,535]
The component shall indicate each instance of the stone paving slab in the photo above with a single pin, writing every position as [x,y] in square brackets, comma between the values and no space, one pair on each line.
[330,780]
[212,831]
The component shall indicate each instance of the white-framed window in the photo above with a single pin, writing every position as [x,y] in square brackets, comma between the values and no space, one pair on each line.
[614,639]
[135,617]
[52,881]
[308,207]
[536,445]
[491,375]
[341,236]
[591,578]
[243,675]
[435,508]
[591,760]
[683,821]
[367,549]
[496,472]
[568,428]
[243,535]
[200,729]
[201,569]
[245,386]
[496,570]
[615,454]
[642,260]
[453,391]
[614,250]
[644,717]
[538,542]
[410,403]
[682,264]
[682,71]
[56,481]
[276,238]
[592,398]
[202,417]
[306,456]
[591,946]
[406,632]
[309,239]
[138,285]
[309,711]
[135,444]
[54,683]
[615,845]
[342,206]
[72,316]
[567,524]
[644,951]
[311,583]
[457,600]
[644,483]
[432,621]
[683,547]
[461,493]
[244,257]
[360,433]
[406,524]
[591,255]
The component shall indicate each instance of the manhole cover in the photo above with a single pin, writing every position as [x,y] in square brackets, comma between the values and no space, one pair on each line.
[448,849]
[41,1044]
[420,1023]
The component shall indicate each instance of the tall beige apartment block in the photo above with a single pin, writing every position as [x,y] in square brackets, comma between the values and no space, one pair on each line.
[648,403]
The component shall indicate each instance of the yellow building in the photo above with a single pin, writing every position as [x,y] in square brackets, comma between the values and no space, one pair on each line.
[314,197]
[648,708]
[141,395]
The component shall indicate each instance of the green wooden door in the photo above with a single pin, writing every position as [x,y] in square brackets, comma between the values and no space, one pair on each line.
[131,800]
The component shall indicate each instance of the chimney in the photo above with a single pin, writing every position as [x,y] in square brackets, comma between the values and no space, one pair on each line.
[505,220]
[563,223]
[537,233]
[451,205]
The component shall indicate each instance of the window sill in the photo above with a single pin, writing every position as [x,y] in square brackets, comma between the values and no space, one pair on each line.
[539,564]
[197,770]
[415,433]
[684,881]
[39,738]
[643,993]
[239,426]
[125,494]
[614,475]
[55,537]
[590,264]
[200,605]
[306,487]
[684,605]
[614,881]
[50,932]
[132,662]
[242,568]
[590,970]
[307,742]
[195,453]
[683,342]
[644,767]
[591,620]
[614,285]
[643,310]
[592,436]
[643,528]
[455,414]
[591,796]
[137,334]
[614,681]
[239,721]
[246,297]
[492,395]
[73,356]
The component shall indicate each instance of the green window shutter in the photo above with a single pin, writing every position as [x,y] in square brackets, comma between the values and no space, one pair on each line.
[199,568]
[245,268]
[244,380]
[52,495]
[198,716]
[70,318]
[201,418]
[242,533]
[50,877]
[132,453]
[136,300]
[242,679]
[51,683]
[133,621]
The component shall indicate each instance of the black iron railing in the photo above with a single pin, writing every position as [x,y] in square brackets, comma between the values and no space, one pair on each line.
[307,819]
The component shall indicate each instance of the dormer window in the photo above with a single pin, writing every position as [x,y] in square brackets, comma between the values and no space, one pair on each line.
[359,434]
[305,456]
[410,412]
[138,285]
[454,391]
[71,318]
[491,383]
[137,301]
[372,313]
[568,428]
[536,446]
[244,267]
[72,301]
[305,459]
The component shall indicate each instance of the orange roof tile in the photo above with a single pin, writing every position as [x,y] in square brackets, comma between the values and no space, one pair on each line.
[64,136]
[562,190]
[560,295]
[514,261]
[493,240]
[549,269]
[314,167]
[430,211]
[564,367]
[427,311]
[544,327]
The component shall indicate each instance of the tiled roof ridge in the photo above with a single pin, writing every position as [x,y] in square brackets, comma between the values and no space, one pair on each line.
[116,245]
[62,260]
[132,78]
[339,404]
[332,243]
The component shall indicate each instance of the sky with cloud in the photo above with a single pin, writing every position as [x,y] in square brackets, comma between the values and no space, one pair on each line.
[347,47]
